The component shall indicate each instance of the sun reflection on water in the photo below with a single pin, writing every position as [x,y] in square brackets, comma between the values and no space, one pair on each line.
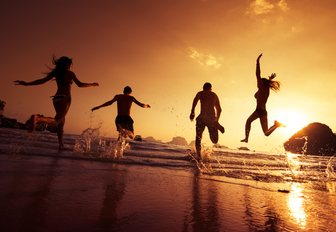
[293,164]
[296,205]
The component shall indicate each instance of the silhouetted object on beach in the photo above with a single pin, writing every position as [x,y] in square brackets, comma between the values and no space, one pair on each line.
[208,117]
[264,85]
[62,99]
[138,138]
[243,148]
[123,121]
[40,126]
[314,139]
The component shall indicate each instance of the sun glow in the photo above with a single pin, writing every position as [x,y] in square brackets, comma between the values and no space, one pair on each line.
[293,120]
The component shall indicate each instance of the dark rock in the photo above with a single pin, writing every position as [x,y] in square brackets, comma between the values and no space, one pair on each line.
[178,140]
[2,106]
[151,139]
[10,123]
[138,138]
[314,139]
[243,148]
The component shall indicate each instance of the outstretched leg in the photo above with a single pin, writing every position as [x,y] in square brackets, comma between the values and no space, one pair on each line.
[264,124]
[248,123]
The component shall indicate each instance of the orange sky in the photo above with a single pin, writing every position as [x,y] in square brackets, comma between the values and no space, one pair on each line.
[165,50]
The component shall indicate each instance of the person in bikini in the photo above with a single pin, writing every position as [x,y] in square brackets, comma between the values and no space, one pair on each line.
[264,85]
[123,121]
[208,117]
[62,99]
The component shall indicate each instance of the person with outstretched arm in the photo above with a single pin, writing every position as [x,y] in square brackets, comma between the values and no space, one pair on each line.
[62,99]
[123,120]
[264,85]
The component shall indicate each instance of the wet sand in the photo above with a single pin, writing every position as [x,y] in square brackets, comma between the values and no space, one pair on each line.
[55,194]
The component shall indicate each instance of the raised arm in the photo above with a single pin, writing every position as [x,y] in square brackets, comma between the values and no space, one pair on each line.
[140,104]
[105,104]
[259,82]
[35,82]
[82,84]
[192,113]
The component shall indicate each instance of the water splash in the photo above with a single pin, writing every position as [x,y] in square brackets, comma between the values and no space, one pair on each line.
[88,141]
[119,147]
[91,143]
[293,164]
[330,171]
[305,145]
[204,164]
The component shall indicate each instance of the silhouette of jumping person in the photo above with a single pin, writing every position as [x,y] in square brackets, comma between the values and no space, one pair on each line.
[62,99]
[264,86]
[123,120]
[208,117]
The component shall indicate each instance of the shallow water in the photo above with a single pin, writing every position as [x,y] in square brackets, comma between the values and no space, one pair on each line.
[155,187]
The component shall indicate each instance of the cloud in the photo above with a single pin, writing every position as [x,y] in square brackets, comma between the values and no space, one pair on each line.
[283,5]
[263,7]
[207,60]
[260,7]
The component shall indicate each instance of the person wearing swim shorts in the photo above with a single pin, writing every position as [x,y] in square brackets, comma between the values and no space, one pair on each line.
[208,117]
[123,121]
[62,99]
[264,85]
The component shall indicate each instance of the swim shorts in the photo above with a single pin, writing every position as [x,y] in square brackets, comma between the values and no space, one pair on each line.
[124,122]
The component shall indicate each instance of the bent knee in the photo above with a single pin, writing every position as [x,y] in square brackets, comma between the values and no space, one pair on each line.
[266,134]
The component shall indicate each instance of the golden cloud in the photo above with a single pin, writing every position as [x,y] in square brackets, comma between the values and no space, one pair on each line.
[207,60]
[263,7]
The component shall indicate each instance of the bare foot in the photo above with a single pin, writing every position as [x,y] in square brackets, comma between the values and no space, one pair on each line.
[244,140]
[278,124]
[220,128]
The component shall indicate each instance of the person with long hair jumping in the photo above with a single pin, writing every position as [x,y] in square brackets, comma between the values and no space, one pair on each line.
[264,85]
[62,99]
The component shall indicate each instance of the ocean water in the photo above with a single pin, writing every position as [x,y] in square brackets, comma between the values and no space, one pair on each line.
[278,166]
[299,189]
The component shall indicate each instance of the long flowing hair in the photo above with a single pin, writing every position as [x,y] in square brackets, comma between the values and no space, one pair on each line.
[61,66]
[273,85]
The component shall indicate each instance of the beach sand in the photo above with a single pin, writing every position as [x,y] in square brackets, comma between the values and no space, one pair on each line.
[52,193]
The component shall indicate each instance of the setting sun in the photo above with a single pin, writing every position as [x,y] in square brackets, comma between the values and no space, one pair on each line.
[292,119]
